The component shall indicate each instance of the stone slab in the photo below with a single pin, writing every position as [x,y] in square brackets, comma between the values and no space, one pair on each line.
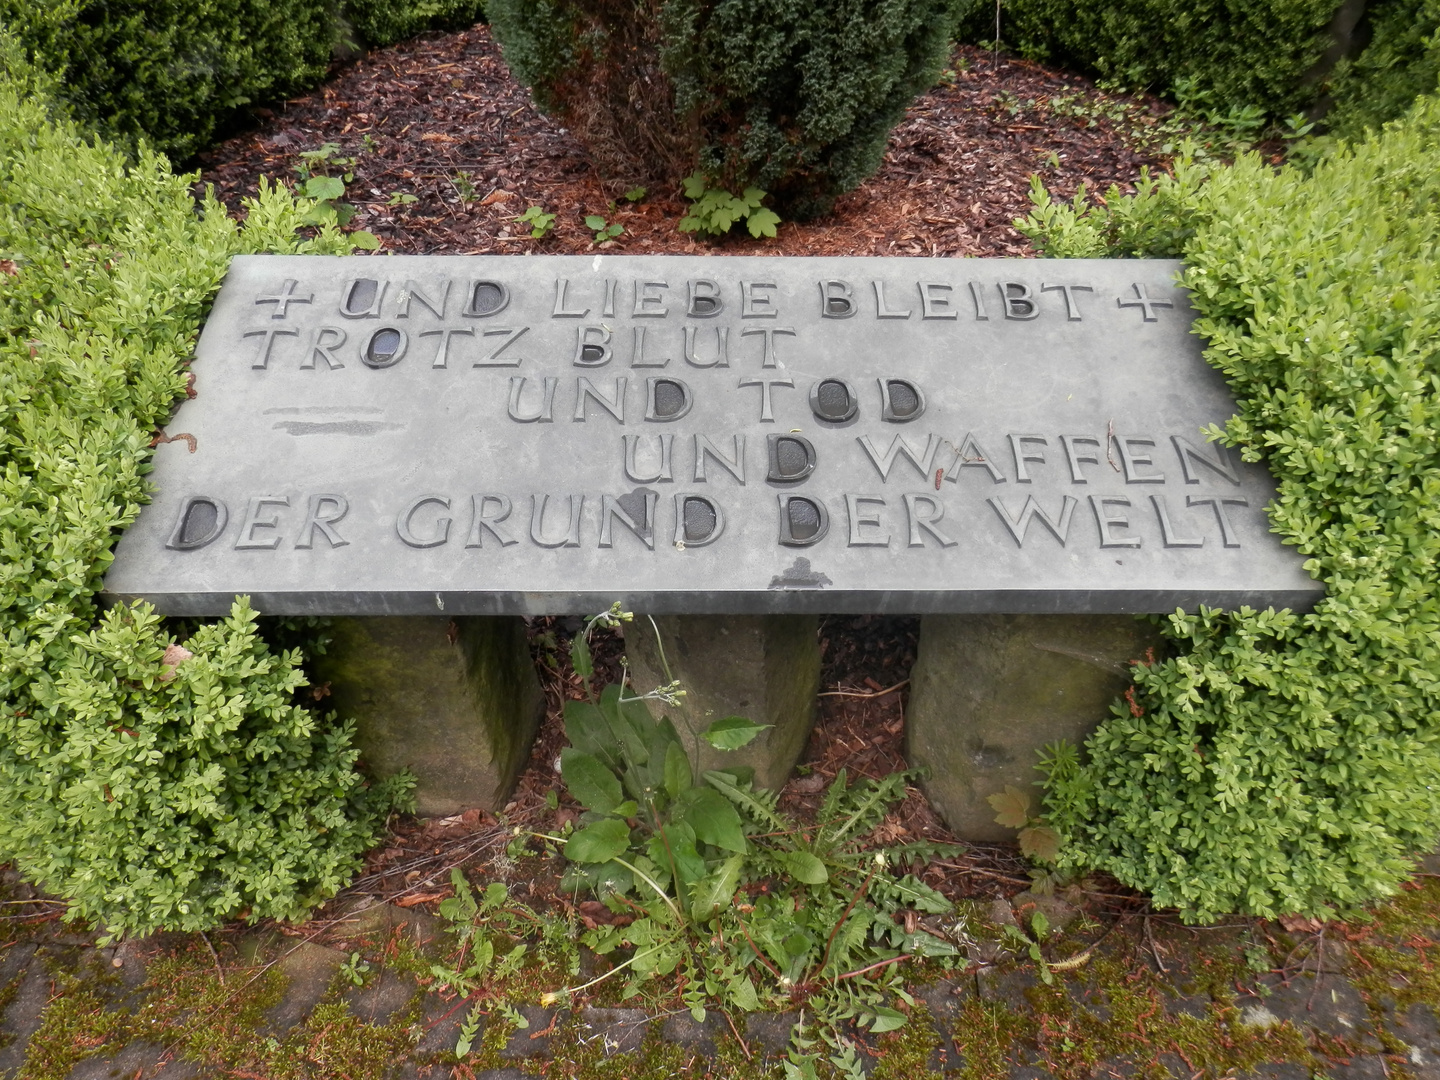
[702,435]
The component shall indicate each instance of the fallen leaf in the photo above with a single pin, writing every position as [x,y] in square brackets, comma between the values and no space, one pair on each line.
[499,195]
[1301,924]
[1040,842]
[420,898]
[1012,807]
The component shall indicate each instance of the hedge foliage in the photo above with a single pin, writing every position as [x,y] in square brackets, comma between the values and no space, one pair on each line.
[176,71]
[789,96]
[149,788]
[1220,53]
[172,70]
[1401,62]
[1283,762]
[382,22]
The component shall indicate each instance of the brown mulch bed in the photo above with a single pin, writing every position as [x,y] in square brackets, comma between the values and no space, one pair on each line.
[441,118]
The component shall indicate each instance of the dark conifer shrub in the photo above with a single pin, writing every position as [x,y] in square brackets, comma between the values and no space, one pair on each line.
[791,96]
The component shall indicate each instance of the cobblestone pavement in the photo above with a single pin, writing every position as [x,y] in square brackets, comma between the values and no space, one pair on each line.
[1141,996]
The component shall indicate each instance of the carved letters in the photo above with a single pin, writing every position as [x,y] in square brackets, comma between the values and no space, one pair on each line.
[680,368]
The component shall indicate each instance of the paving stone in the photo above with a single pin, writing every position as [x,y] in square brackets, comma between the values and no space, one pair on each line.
[1059,913]
[137,1061]
[1196,1005]
[309,969]
[1363,1067]
[535,1040]
[377,921]
[22,1017]
[618,1031]
[769,1031]
[1416,1027]
[1001,913]
[1287,1070]
[945,998]
[1007,985]
[414,1071]
[256,947]
[700,1036]
[1332,1006]
[384,996]
[441,1021]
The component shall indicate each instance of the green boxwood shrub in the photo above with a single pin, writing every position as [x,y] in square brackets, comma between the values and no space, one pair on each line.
[789,96]
[382,22]
[1401,62]
[1283,762]
[149,786]
[172,70]
[1220,53]
[175,72]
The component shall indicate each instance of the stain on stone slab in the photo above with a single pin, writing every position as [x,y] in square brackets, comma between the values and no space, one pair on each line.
[799,575]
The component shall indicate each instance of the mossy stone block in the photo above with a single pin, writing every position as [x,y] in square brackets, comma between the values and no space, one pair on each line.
[988,692]
[455,701]
[765,668]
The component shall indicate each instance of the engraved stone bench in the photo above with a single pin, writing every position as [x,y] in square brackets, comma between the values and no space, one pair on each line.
[429,447]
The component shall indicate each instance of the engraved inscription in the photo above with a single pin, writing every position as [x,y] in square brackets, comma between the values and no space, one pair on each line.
[383,429]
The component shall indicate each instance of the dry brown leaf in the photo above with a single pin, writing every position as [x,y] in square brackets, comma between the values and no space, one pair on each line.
[420,898]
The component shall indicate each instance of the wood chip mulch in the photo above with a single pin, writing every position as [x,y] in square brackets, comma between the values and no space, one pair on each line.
[441,119]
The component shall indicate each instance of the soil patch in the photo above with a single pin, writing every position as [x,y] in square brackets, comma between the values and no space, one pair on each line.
[441,119]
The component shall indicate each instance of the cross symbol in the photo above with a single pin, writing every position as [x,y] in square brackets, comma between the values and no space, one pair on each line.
[1143,300]
[287,296]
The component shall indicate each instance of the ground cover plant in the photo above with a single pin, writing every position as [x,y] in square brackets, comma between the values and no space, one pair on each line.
[149,782]
[744,904]
[1280,762]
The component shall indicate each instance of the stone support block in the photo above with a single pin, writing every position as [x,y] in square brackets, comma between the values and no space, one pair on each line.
[988,692]
[456,701]
[765,668]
